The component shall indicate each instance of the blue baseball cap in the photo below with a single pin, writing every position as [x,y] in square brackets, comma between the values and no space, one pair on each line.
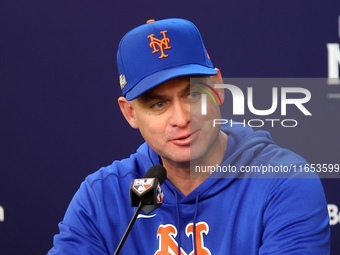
[159,51]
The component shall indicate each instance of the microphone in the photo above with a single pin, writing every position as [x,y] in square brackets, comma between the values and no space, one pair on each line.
[148,190]
[147,194]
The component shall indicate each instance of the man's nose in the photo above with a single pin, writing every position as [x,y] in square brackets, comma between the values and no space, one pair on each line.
[180,115]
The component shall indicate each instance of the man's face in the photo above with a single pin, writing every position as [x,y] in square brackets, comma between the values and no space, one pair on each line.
[163,117]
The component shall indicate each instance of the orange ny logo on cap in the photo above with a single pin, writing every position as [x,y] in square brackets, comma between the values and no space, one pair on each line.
[164,42]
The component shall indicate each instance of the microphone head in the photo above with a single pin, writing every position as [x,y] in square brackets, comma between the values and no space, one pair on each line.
[147,190]
[156,171]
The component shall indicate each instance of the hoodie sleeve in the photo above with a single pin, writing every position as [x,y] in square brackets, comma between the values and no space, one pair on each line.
[79,230]
[100,211]
[296,219]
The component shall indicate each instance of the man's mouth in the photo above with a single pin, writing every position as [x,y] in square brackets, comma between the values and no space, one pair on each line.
[183,140]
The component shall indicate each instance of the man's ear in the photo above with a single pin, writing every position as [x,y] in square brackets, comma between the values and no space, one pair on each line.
[128,111]
[217,79]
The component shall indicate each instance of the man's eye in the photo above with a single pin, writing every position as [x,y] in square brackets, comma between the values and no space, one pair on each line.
[194,95]
[158,105]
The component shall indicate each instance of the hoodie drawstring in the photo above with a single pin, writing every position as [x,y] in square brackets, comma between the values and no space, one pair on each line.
[194,223]
[178,223]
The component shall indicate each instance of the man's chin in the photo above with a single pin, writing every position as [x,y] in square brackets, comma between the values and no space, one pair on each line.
[179,159]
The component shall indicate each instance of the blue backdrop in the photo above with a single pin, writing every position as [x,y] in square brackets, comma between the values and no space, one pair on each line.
[59,86]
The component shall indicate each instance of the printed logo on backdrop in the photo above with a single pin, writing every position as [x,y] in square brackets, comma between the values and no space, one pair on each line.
[334,215]
[2,214]
[333,64]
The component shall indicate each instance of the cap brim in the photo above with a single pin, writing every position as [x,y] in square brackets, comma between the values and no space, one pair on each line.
[155,79]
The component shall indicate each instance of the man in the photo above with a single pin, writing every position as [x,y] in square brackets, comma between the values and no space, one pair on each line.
[234,214]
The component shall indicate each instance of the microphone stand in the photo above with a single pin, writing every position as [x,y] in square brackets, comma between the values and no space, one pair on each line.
[122,241]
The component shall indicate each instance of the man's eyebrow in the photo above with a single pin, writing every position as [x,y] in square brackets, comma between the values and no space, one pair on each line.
[187,88]
[155,96]
[147,98]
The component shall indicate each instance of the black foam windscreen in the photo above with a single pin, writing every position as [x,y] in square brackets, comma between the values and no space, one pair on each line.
[156,171]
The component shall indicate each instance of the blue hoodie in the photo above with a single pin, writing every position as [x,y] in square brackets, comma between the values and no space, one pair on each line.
[237,213]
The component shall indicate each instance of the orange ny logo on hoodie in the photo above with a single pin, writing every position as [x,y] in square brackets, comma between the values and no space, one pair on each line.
[166,235]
